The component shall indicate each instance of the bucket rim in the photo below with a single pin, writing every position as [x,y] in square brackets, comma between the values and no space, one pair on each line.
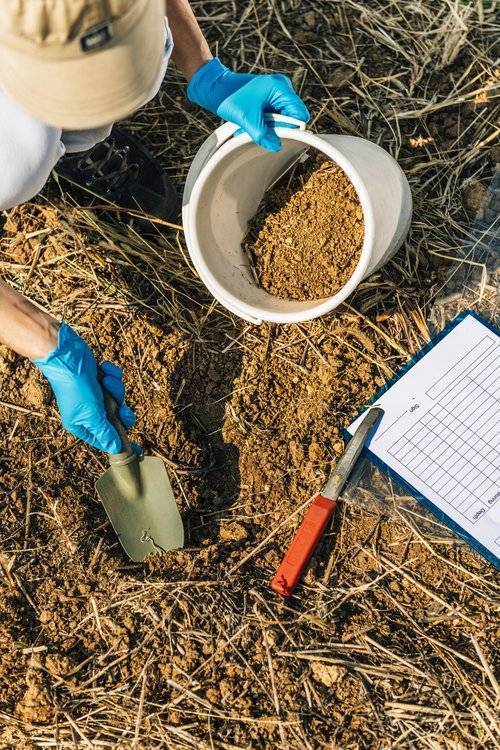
[312,308]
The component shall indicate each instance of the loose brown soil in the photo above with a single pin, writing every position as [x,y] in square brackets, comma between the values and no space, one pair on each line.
[306,237]
[196,636]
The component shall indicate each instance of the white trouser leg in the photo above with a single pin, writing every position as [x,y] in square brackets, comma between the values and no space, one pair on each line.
[76,141]
[28,152]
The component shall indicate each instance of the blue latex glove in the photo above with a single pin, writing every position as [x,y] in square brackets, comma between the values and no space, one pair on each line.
[72,371]
[244,98]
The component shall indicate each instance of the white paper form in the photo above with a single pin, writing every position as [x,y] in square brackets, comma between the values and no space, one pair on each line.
[441,430]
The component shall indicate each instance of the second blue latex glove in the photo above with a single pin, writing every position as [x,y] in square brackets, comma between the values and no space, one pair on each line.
[244,99]
[72,372]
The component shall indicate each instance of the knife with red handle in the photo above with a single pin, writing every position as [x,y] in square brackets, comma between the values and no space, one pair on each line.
[321,510]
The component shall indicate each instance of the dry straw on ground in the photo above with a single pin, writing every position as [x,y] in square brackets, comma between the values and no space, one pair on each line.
[390,641]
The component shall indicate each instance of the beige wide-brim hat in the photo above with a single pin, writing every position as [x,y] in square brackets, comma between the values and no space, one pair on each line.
[78,64]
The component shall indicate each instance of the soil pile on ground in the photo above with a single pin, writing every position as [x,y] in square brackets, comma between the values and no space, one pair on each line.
[305,239]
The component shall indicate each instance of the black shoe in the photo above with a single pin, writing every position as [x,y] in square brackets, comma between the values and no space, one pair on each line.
[121,171]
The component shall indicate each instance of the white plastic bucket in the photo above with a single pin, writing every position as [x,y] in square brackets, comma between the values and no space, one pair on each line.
[225,185]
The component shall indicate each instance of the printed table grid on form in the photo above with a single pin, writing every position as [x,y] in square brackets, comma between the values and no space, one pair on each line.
[453,447]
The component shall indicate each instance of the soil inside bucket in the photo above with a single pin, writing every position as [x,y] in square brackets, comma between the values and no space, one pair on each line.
[305,240]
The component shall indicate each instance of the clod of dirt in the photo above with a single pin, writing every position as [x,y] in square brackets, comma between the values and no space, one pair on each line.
[232,532]
[36,705]
[474,196]
[306,237]
[34,392]
[327,674]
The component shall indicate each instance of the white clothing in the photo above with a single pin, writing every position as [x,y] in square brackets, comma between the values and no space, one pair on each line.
[29,149]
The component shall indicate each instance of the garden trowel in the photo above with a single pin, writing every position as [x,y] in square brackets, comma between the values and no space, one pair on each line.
[137,496]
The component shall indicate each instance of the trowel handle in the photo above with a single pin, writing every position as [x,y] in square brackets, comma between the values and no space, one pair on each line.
[128,454]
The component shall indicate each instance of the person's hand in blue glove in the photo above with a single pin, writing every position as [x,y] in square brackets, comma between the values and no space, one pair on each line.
[72,372]
[244,99]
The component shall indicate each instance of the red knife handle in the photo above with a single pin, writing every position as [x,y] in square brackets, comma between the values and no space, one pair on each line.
[302,546]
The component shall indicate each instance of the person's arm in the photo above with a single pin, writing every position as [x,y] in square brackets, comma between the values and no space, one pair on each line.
[23,328]
[242,98]
[191,50]
[70,367]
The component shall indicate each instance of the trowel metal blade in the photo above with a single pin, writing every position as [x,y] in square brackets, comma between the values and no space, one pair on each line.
[140,504]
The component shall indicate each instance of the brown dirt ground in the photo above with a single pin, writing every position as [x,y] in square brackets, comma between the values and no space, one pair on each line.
[248,435]
[305,239]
